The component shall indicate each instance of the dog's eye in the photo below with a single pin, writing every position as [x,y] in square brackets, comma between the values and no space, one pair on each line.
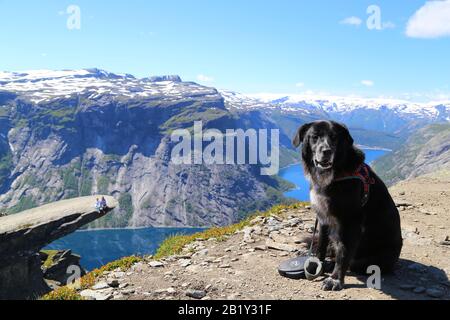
[314,138]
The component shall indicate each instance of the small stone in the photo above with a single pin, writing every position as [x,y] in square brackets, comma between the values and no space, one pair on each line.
[185,263]
[100,286]
[113,283]
[280,246]
[160,291]
[224,266]
[123,285]
[171,290]
[95,295]
[118,274]
[195,294]
[156,264]
[294,222]
[128,292]
[148,258]
[203,252]
[260,248]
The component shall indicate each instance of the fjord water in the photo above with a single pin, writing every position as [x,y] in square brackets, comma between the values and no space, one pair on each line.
[294,174]
[98,247]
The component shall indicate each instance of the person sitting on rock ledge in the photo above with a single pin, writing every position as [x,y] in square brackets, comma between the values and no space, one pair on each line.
[101,205]
[98,204]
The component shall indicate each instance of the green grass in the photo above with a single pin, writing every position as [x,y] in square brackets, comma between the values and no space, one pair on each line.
[50,257]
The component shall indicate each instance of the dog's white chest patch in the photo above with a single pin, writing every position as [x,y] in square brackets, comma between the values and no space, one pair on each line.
[319,203]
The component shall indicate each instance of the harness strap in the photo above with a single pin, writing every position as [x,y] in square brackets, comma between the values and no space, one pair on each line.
[362,174]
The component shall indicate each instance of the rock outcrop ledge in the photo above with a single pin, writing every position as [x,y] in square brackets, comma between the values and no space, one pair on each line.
[23,235]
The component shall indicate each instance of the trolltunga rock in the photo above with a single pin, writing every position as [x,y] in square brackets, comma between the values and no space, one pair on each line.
[24,234]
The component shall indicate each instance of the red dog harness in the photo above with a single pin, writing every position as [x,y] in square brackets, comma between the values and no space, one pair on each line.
[362,174]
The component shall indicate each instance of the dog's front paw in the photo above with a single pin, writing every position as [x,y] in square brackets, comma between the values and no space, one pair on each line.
[332,284]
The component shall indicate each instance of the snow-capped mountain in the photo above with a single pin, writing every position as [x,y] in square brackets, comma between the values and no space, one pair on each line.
[337,104]
[45,85]
[386,115]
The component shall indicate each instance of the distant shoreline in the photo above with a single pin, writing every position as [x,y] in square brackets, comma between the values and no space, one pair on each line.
[373,148]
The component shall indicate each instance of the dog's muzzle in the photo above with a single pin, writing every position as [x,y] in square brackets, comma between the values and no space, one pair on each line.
[323,164]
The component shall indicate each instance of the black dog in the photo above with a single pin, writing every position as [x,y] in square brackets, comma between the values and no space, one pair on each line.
[355,210]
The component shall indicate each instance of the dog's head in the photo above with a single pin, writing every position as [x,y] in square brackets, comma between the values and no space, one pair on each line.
[325,144]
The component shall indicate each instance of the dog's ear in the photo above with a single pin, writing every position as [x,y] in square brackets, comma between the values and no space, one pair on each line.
[345,133]
[298,138]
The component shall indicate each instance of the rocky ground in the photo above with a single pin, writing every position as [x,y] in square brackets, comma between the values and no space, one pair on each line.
[244,266]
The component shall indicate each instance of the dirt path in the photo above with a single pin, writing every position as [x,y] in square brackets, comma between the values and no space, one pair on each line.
[245,267]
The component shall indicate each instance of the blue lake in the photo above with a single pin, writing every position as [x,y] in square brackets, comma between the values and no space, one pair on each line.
[99,247]
[295,175]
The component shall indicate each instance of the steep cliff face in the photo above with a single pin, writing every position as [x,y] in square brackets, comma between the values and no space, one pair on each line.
[98,133]
[426,151]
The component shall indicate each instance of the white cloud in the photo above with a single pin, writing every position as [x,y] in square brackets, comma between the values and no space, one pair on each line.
[203,78]
[352,21]
[368,83]
[299,84]
[431,21]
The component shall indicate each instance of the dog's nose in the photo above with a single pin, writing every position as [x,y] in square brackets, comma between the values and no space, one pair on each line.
[326,153]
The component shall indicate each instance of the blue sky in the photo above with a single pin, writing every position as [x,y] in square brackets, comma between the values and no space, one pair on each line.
[248,46]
